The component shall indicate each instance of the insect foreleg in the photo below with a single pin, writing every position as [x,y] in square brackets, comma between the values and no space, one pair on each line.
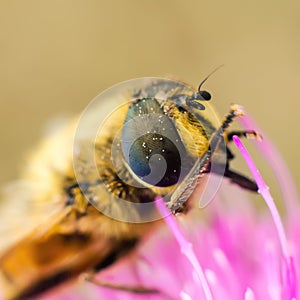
[235,177]
[137,289]
[248,134]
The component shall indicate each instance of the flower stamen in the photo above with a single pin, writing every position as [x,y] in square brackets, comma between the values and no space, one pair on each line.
[263,189]
[185,246]
[276,162]
[249,294]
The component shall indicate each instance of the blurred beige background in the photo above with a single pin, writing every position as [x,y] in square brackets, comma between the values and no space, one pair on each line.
[55,56]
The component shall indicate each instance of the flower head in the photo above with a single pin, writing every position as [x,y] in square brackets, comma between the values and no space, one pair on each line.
[237,252]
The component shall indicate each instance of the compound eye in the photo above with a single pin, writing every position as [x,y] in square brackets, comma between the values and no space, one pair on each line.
[206,95]
[151,144]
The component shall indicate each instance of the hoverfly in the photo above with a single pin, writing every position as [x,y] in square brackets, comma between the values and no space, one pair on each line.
[139,139]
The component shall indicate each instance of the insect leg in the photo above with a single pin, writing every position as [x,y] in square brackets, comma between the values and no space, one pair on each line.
[241,180]
[235,111]
[122,287]
[235,177]
[248,134]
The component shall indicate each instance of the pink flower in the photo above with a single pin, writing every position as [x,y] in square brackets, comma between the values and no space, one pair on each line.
[240,252]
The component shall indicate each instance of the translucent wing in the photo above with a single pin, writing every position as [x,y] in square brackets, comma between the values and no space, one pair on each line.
[19,214]
[39,193]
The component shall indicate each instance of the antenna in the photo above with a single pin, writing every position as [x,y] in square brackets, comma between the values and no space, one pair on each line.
[215,70]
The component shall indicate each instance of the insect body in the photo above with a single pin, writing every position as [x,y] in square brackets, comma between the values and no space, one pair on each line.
[159,138]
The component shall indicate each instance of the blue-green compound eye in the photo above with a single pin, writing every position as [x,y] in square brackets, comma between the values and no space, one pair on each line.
[148,156]
[155,147]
